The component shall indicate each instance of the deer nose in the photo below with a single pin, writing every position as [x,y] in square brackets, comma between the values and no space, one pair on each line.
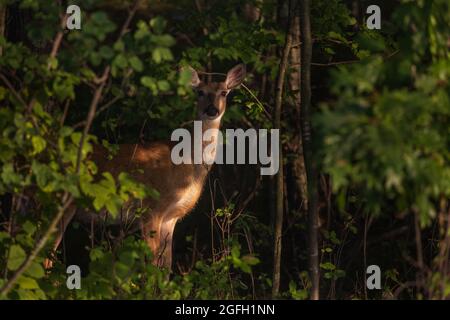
[211,111]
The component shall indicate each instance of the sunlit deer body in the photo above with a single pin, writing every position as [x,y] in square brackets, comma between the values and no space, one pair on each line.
[179,186]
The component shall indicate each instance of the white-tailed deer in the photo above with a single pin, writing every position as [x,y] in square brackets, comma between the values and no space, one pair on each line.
[179,186]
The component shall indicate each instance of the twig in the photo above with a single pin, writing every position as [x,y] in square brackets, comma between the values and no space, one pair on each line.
[213,73]
[55,48]
[333,63]
[11,88]
[388,235]
[336,63]
[187,38]
[404,286]
[64,115]
[57,42]
[90,117]
[268,115]
[100,110]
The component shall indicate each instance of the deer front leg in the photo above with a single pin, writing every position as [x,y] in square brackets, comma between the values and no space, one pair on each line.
[165,244]
[151,235]
[158,234]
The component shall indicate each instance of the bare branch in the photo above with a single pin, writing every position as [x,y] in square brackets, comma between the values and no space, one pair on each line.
[11,88]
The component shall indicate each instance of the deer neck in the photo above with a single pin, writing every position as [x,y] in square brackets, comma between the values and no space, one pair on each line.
[205,141]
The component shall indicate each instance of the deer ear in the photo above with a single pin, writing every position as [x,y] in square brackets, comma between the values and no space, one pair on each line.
[195,80]
[235,76]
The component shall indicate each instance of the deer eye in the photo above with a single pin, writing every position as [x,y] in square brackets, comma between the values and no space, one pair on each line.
[224,93]
[200,93]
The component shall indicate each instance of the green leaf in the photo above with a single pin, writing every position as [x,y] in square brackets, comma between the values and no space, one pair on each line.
[95,254]
[164,40]
[95,58]
[26,294]
[38,143]
[161,54]
[119,46]
[27,283]
[158,24]
[150,83]
[185,77]
[113,206]
[52,63]
[327,266]
[136,64]
[250,260]
[29,228]
[2,93]
[9,175]
[35,270]
[16,257]
[120,61]
[156,55]
[142,31]
[163,85]
[106,52]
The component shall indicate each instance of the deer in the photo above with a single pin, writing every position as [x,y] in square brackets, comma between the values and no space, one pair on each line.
[179,185]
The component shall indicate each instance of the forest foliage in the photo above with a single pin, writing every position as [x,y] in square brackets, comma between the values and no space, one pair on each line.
[381,134]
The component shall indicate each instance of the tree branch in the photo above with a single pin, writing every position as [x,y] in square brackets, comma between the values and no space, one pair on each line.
[11,88]
[55,48]
[99,91]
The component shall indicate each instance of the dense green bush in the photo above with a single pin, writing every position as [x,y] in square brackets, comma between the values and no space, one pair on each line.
[386,137]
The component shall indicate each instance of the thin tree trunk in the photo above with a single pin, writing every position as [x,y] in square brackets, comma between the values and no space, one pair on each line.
[279,180]
[298,163]
[307,148]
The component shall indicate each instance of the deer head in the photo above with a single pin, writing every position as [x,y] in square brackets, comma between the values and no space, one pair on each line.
[212,97]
